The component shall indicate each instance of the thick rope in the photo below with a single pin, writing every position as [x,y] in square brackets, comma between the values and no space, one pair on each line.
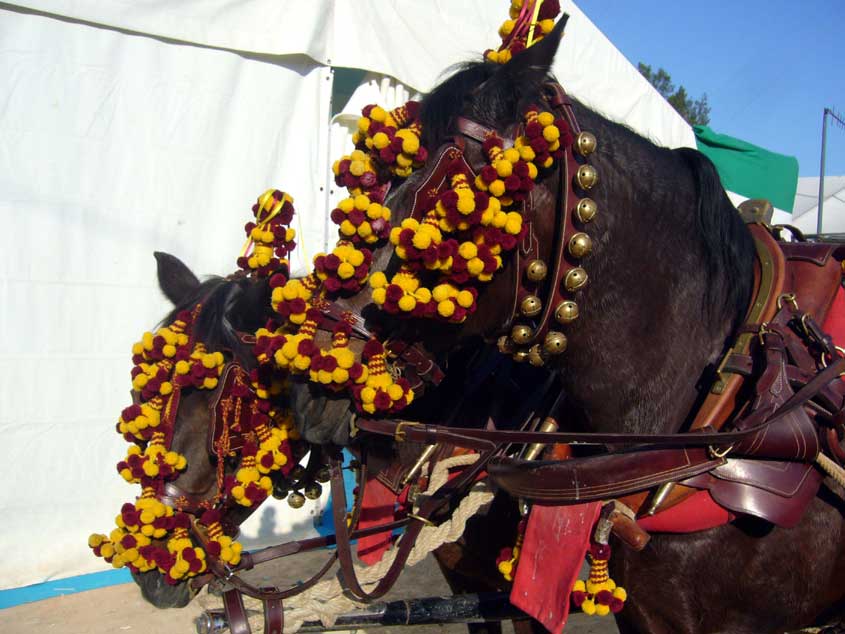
[326,600]
[832,469]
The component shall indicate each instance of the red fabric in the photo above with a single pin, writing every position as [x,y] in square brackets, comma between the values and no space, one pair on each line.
[697,513]
[377,507]
[834,323]
[556,540]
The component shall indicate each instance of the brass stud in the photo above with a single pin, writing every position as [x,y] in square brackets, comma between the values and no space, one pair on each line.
[536,270]
[580,245]
[586,177]
[575,279]
[521,334]
[535,356]
[505,345]
[520,356]
[313,491]
[530,306]
[586,143]
[586,210]
[296,500]
[555,342]
[566,312]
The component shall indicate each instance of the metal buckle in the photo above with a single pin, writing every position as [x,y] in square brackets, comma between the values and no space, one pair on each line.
[719,453]
[789,298]
[399,433]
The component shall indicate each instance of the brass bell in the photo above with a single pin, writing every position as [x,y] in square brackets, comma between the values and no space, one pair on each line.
[521,334]
[575,279]
[297,472]
[580,245]
[536,270]
[586,177]
[296,500]
[535,356]
[280,492]
[566,312]
[520,356]
[585,143]
[530,306]
[555,342]
[505,345]
[323,474]
[586,210]
[313,491]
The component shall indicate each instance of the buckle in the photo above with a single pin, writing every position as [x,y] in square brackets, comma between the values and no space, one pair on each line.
[399,433]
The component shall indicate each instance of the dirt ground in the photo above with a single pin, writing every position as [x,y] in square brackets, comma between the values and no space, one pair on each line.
[119,609]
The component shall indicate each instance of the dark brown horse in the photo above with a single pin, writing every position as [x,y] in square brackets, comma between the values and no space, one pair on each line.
[670,280]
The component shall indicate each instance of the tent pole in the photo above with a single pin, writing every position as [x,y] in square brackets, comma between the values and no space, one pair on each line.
[821,175]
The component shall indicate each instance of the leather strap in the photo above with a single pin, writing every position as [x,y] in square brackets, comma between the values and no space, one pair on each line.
[233,603]
[274,616]
[486,439]
[344,549]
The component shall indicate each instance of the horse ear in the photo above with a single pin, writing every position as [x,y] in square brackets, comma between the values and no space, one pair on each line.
[174,278]
[532,66]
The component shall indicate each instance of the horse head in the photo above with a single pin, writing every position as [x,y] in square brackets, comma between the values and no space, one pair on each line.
[229,307]
[668,259]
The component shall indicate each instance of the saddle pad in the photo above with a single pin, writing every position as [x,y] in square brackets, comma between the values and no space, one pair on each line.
[834,322]
[377,507]
[556,540]
[697,513]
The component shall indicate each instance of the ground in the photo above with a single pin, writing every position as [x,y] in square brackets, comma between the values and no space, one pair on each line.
[119,609]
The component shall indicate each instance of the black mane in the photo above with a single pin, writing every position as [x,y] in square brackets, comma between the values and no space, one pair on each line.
[229,306]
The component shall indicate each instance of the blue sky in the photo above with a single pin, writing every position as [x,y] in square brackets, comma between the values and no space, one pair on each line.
[769,68]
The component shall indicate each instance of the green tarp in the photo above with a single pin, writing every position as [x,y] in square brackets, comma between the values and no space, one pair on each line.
[750,170]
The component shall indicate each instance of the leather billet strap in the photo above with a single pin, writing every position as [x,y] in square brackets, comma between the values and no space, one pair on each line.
[486,439]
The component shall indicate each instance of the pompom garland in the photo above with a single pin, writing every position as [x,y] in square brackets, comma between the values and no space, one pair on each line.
[393,136]
[599,595]
[270,236]
[150,534]
[529,21]
[509,557]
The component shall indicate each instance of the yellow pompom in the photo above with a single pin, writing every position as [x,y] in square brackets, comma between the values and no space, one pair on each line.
[545,119]
[347,228]
[620,593]
[588,607]
[421,240]
[379,295]
[410,143]
[381,140]
[441,292]
[407,303]
[504,168]
[345,270]
[357,168]
[602,609]
[551,133]
[475,267]
[512,155]
[468,250]
[465,299]
[377,113]
[446,308]
[497,188]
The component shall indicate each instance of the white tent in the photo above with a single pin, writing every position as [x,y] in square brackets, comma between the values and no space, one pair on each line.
[805,211]
[132,127]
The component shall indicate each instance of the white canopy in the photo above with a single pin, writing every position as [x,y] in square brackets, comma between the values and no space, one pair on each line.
[139,126]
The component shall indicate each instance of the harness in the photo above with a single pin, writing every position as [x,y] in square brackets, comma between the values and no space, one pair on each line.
[792,420]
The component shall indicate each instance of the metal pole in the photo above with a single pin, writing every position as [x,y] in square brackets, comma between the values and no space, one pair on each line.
[821,175]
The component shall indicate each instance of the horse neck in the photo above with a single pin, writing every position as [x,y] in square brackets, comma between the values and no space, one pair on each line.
[653,317]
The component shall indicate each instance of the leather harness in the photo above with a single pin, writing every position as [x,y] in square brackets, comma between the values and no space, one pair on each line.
[778,350]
